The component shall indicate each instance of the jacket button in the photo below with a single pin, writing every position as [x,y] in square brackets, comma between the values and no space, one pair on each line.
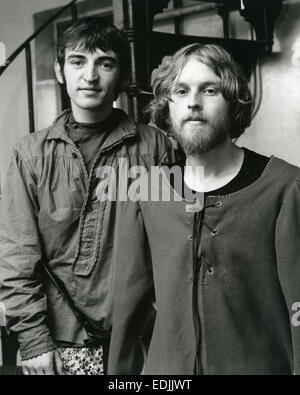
[214,233]
[191,237]
[75,156]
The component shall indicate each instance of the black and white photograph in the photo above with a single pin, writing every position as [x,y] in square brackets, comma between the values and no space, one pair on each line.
[150,190]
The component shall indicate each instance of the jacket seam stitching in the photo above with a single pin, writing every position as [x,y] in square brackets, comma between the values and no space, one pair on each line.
[224,197]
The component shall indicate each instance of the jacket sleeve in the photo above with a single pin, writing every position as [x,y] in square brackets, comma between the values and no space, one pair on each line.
[21,290]
[287,242]
[168,150]
[133,311]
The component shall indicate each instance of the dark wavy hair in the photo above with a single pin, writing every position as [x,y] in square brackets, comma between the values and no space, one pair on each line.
[93,34]
[234,86]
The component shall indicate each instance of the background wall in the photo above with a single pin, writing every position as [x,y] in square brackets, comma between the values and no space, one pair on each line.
[275,130]
[18,20]
[16,24]
[276,127]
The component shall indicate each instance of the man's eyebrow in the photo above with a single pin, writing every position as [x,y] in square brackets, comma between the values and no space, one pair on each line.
[180,85]
[77,56]
[206,83]
[107,57]
[203,84]
[102,58]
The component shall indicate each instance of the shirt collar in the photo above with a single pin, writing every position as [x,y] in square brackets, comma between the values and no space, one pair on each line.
[124,129]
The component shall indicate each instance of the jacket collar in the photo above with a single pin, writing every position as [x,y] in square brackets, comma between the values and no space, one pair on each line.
[125,128]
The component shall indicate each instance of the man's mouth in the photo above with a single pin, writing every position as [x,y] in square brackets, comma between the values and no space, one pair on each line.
[90,89]
[195,119]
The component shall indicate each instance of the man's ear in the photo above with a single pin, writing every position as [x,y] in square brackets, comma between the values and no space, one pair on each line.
[58,72]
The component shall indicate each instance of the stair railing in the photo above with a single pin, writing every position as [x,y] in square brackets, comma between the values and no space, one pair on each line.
[27,47]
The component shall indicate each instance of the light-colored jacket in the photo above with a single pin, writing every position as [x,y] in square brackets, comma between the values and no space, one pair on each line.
[50,210]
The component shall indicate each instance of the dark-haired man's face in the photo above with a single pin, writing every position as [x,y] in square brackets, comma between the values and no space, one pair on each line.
[199,114]
[91,79]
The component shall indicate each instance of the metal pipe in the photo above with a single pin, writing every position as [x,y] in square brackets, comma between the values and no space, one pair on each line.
[224,13]
[178,20]
[184,11]
[128,7]
[23,46]
[74,13]
[226,25]
[30,88]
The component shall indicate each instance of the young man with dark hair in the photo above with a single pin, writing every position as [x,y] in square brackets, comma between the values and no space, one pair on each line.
[51,211]
[225,270]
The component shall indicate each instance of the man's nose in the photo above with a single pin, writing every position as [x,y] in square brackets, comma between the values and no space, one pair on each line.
[90,73]
[195,101]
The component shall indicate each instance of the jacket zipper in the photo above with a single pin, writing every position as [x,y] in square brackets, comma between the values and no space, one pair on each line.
[89,186]
[197,231]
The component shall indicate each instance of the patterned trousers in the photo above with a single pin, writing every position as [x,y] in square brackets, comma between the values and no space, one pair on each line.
[83,360]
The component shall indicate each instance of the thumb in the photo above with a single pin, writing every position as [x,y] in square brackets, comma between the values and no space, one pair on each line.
[58,363]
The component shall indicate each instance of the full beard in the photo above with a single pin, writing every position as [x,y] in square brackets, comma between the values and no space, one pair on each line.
[201,138]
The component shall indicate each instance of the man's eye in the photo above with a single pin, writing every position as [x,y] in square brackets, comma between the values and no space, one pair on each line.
[107,65]
[76,62]
[181,92]
[210,91]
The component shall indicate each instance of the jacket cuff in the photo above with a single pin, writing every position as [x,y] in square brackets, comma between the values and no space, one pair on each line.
[33,344]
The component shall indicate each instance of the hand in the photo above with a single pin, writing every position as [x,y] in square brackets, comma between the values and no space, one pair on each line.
[48,364]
